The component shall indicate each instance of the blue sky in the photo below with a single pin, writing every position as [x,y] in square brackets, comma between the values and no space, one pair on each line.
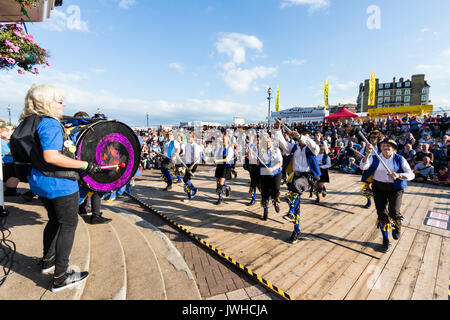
[212,60]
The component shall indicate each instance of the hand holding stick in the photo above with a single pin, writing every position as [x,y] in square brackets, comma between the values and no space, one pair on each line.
[376,153]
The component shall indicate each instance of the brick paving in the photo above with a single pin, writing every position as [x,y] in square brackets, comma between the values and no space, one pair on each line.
[216,278]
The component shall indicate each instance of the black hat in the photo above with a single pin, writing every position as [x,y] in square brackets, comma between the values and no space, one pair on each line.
[390,141]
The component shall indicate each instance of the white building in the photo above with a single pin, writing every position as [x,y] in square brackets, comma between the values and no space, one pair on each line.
[238,121]
[300,115]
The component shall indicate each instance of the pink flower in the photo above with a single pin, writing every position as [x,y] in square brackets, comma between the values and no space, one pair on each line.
[9,44]
[36,70]
[11,60]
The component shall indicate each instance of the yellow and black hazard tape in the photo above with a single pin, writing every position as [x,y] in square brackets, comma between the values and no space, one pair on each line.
[266,283]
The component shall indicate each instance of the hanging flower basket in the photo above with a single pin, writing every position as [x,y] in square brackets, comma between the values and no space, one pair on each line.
[18,49]
[28,3]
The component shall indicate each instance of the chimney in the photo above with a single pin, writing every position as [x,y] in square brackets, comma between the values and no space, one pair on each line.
[394,80]
[401,79]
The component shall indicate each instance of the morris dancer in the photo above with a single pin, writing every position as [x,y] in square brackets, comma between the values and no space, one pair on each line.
[179,153]
[324,161]
[306,171]
[374,139]
[270,171]
[388,187]
[193,156]
[223,157]
[253,167]
[167,162]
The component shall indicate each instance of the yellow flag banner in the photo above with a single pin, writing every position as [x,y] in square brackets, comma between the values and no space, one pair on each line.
[327,88]
[277,104]
[372,88]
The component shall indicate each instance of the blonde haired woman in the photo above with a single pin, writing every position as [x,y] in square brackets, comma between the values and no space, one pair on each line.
[53,178]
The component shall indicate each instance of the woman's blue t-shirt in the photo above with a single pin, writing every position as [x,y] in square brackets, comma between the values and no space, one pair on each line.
[6,149]
[51,137]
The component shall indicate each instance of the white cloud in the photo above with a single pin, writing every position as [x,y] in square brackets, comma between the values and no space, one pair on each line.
[295,62]
[61,21]
[235,44]
[313,5]
[428,67]
[425,30]
[240,80]
[235,47]
[447,52]
[125,4]
[176,66]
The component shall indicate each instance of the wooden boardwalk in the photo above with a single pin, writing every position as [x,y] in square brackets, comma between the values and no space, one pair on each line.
[338,256]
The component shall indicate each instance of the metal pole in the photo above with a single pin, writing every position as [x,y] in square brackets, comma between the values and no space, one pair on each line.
[147,120]
[268,114]
[9,112]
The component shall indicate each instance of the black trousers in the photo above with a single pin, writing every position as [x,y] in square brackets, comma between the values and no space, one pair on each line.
[59,233]
[270,187]
[388,201]
[188,175]
[254,176]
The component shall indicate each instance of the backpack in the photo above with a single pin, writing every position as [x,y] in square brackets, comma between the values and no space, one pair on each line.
[21,144]
[27,153]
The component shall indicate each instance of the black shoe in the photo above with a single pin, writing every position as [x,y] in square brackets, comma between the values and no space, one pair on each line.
[294,237]
[28,196]
[47,265]
[289,217]
[396,233]
[227,191]
[251,203]
[219,202]
[368,204]
[98,219]
[194,193]
[68,280]
[266,214]
[168,188]
[386,246]
[277,208]
[317,201]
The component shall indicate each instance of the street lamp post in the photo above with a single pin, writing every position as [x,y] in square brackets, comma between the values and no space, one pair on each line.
[147,120]
[9,112]
[269,92]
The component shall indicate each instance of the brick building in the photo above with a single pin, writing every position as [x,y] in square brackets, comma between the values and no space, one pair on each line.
[396,93]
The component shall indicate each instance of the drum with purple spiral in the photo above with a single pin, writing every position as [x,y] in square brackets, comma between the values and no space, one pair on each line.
[108,143]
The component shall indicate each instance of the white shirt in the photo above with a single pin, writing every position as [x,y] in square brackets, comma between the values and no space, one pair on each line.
[381,174]
[192,153]
[218,156]
[320,161]
[300,161]
[252,153]
[272,156]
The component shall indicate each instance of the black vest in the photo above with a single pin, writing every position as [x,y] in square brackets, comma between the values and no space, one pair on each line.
[26,149]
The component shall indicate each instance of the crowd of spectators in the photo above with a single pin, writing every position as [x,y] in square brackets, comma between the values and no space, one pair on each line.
[423,141]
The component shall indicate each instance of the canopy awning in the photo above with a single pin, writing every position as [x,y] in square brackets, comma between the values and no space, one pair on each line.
[343,113]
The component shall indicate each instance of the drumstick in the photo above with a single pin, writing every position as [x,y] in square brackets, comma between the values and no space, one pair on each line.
[376,153]
[120,165]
